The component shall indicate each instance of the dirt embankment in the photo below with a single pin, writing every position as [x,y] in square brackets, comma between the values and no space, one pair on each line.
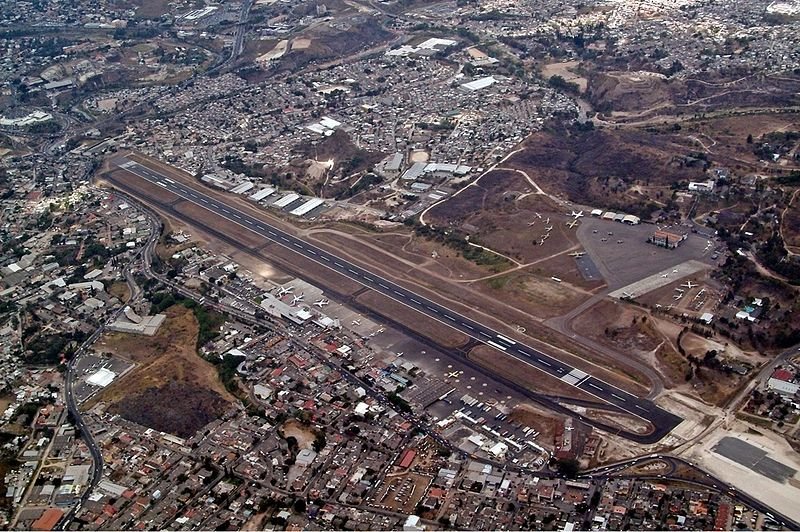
[172,389]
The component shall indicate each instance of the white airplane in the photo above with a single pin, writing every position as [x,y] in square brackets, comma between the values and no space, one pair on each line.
[283,291]
[321,302]
[576,215]
[538,215]
[577,254]
[627,295]
[572,224]
[454,374]
[674,271]
[356,322]
[677,296]
[679,290]
[548,228]
[297,299]
[665,275]
[547,221]
[689,284]
[531,223]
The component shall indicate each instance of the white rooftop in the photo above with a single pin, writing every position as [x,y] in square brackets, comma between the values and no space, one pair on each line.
[102,377]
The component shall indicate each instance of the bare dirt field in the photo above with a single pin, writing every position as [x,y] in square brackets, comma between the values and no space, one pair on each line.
[300,43]
[504,213]
[119,289]
[566,70]
[172,388]
[621,327]
[303,435]
[526,289]
[536,418]
[402,493]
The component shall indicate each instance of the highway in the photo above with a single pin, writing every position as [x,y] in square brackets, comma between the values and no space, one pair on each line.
[662,420]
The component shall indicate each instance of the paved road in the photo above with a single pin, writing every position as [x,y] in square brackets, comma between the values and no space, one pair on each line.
[72,405]
[662,420]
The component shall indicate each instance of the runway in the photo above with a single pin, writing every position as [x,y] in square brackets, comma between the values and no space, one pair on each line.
[662,420]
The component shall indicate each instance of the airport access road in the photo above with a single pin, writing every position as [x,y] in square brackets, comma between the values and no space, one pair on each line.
[662,421]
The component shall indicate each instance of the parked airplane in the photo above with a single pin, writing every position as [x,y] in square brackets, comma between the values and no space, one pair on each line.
[285,290]
[454,374]
[297,299]
[548,228]
[572,224]
[321,302]
[577,254]
[538,215]
[556,279]
[627,295]
[576,215]
[531,223]
[665,275]
[689,285]
[547,221]
[677,296]
[356,322]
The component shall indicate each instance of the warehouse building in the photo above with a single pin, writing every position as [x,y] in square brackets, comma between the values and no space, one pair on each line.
[666,239]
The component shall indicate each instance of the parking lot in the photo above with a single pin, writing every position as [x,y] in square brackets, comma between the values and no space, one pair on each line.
[89,364]
[623,256]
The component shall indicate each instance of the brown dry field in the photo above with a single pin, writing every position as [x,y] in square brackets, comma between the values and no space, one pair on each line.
[304,436]
[726,139]
[497,212]
[635,339]
[421,482]
[672,365]
[521,289]
[599,167]
[565,268]
[440,333]
[119,289]
[168,355]
[538,419]
[525,375]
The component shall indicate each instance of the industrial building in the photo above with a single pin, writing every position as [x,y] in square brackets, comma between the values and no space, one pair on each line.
[666,239]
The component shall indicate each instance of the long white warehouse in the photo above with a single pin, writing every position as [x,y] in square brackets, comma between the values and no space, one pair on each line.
[307,207]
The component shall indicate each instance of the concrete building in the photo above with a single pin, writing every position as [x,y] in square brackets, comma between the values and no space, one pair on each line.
[666,239]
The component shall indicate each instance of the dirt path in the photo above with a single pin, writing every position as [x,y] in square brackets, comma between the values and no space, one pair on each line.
[780,225]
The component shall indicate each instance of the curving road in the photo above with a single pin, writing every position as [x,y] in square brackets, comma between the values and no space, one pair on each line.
[662,420]
[71,403]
